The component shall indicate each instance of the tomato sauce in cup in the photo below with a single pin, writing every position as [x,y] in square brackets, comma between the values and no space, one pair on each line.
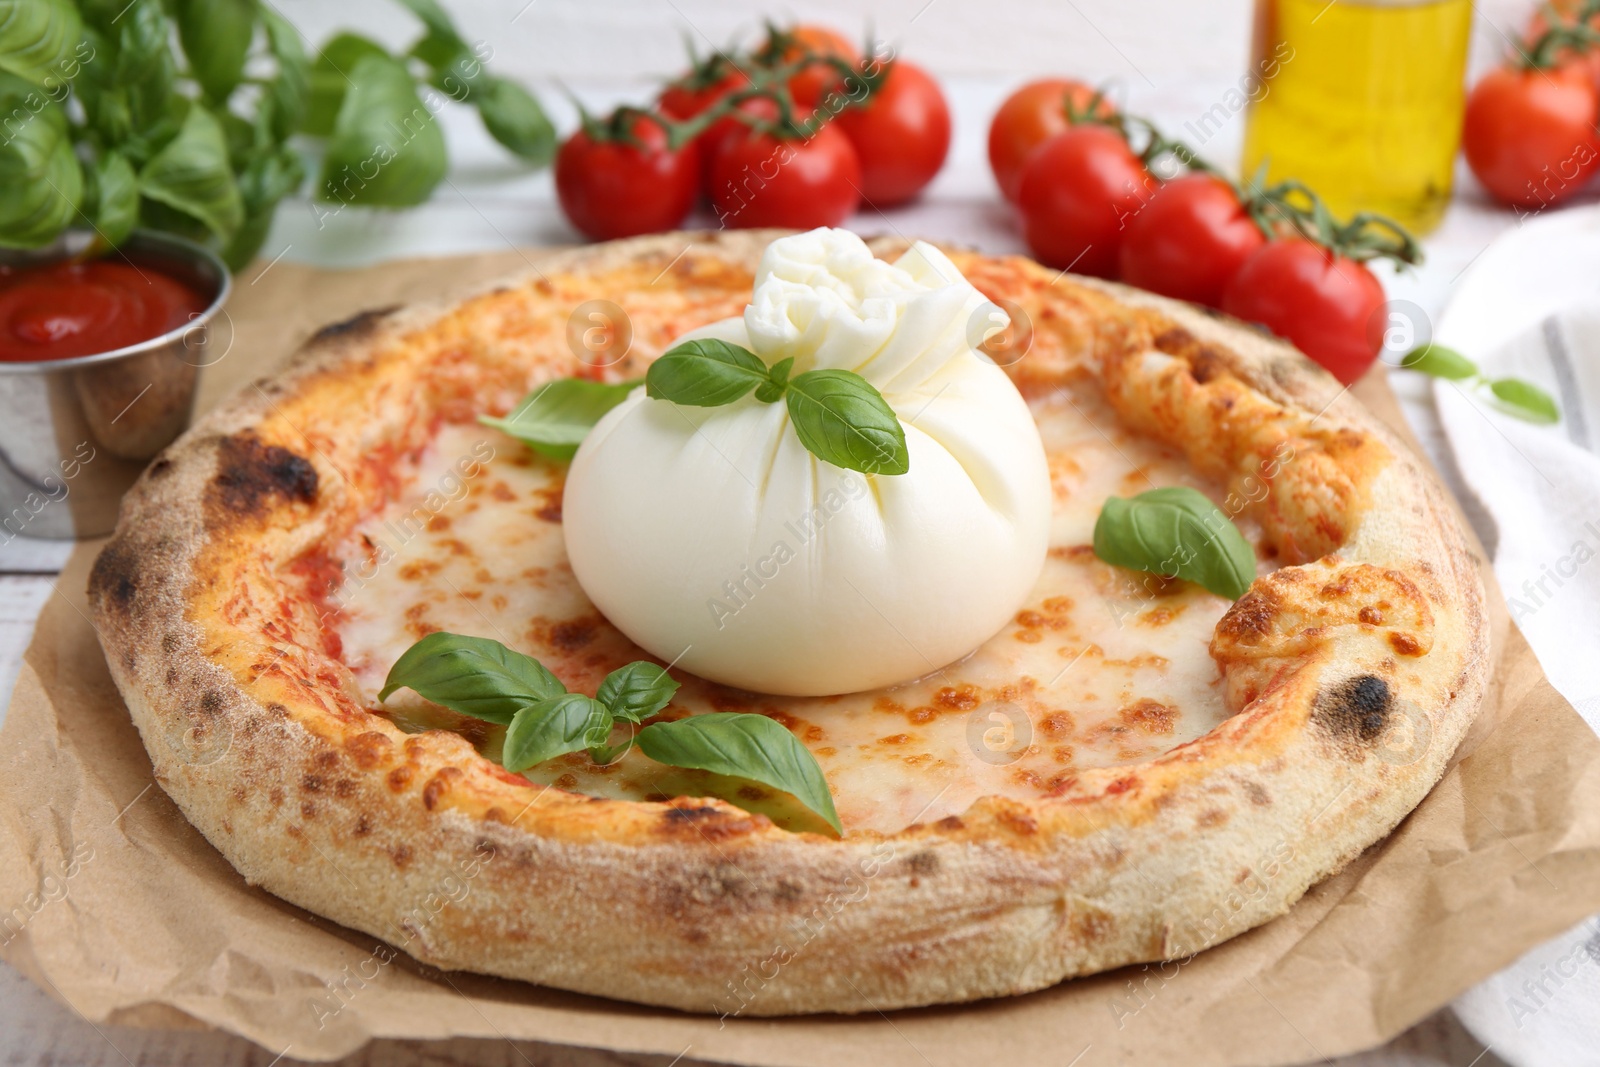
[66,309]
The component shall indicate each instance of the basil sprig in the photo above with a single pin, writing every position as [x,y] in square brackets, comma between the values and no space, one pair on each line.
[1176,532]
[484,679]
[554,419]
[180,115]
[837,414]
[1515,396]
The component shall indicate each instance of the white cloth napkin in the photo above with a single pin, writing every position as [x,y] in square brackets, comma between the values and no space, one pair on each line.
[1531,308]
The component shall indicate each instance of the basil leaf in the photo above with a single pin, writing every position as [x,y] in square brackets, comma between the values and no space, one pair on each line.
[105,106]
[102,14]
[215,35]
[386,149]
[330,79]
[191,175]
[706,373]
[155,215]
[770,391]
[116,198]
[1176,532]
[289,93]
[514,117]
[1439,362]
[554,727]
[637,691]
[434,17]
[753,747]
[441,46]
[265,181]
[38,38]
[1525,400]
[555,418]
[39,172]
[473,676]
[145,71]
[842,419]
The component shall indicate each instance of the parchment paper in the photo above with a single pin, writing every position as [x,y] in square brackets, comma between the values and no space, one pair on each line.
[114,904]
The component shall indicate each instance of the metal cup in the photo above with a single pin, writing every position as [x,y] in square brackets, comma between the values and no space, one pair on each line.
[75,433]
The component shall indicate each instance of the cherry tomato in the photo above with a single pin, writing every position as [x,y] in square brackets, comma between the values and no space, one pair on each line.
[1530,136]
[814,82]
[728,128]
[1588,59]
[686,98]
[901,135]
[1325,304]
[1189,240]
[1028,118]
[613,189]
[759,180]
[1078,193]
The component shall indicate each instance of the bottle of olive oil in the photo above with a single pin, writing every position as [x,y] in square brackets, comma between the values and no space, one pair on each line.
[1361,100]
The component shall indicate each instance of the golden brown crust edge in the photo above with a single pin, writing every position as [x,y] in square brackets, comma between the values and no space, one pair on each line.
[743,917]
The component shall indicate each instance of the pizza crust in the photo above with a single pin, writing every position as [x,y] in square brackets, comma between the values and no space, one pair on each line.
[692,903]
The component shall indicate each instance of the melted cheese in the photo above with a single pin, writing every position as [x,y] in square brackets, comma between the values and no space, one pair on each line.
[1100,667]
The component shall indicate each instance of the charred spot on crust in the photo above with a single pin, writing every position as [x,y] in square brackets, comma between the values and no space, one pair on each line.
[249,473]
[923,863]
[113,578]
[682,816]
[212,702]
[705,822]
[1354,711]
[356,325]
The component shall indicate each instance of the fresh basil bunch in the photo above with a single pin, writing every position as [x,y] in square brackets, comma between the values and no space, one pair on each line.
[186,109]
[483,678]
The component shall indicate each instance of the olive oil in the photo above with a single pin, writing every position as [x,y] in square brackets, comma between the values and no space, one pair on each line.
[1362,101]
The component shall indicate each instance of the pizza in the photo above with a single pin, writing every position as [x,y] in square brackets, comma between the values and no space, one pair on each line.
[1132,768]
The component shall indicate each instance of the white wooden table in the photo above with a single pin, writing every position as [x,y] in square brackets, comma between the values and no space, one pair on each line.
[487,205]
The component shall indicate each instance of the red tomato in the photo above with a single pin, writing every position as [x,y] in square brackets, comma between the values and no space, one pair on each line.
[684,99]
[1189,240]
[814,82]
[1588,59]
[1529,135]
[1028,118]
[758,180]
[901,135]
[728,128]
[1078,193]
[1327,305]
[611,189]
